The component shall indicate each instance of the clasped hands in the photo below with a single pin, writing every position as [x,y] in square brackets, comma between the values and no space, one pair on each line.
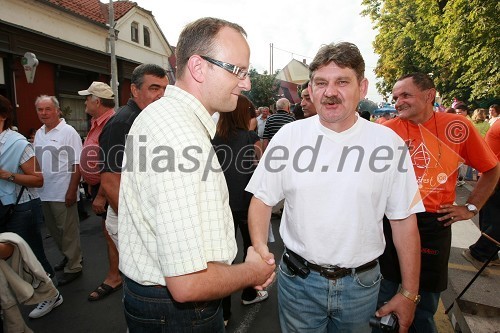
[264,264]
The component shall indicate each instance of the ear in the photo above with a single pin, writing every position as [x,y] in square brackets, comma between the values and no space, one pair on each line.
[133,90]
[197,68]
[431,95]
[309,89]
[363,87]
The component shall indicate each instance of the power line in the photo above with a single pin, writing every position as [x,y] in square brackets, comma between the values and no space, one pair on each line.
[301,55]
[292,53]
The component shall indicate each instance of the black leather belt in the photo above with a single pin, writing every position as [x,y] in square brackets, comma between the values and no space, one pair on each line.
[334,272]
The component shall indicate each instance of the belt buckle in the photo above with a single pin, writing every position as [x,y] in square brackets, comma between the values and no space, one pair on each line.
[333,272]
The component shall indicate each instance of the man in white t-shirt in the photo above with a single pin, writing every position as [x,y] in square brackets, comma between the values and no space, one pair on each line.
[356,171]
[261,120]
[58,147]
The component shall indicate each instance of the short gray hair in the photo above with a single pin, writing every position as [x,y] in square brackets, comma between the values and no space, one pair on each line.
[283,104]
[52,98]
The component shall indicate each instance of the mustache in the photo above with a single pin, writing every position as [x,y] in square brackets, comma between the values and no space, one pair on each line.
[331,100]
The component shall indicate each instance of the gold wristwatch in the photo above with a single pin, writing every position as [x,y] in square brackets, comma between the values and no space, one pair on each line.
[414,298]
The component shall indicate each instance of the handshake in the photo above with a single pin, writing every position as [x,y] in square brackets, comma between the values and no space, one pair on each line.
[263,266]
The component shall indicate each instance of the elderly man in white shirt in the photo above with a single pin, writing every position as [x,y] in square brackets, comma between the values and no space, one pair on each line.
[57,148]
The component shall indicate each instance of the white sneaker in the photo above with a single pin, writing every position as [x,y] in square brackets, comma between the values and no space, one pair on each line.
[261,295]
[46,306]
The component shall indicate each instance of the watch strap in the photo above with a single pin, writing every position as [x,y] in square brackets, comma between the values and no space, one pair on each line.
[471,208]
[412,297]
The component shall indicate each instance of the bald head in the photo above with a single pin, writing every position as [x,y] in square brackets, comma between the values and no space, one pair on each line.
[283,104]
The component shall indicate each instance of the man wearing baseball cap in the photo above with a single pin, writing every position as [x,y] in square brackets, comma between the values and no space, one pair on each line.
[99,104]
[98,89]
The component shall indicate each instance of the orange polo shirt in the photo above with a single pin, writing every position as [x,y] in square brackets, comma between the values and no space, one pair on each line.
[493,138]
[90,162]
[437,148]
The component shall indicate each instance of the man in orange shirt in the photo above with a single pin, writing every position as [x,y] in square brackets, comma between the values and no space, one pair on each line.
[479,252]
[438,142]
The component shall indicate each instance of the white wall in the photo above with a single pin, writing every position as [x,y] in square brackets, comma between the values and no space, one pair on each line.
[50,21]
[57,24]
[159,51]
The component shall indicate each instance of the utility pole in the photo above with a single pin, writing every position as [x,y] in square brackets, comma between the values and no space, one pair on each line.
[112,40]
[271,60]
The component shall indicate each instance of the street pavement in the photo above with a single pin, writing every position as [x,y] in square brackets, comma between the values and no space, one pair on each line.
[77,314]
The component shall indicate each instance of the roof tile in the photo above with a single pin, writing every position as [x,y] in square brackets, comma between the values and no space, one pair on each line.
[93,9]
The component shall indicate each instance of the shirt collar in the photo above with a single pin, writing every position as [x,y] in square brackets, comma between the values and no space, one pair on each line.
[198,109]
[62,121]
[105,116]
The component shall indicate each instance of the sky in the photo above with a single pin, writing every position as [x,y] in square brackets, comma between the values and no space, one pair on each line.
[297,29]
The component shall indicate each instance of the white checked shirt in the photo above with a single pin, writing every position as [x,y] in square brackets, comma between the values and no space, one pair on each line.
[174,213]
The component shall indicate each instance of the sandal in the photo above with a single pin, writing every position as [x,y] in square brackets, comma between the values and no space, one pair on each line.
[102,291]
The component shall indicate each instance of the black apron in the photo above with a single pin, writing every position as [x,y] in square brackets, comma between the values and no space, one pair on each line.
[435,241]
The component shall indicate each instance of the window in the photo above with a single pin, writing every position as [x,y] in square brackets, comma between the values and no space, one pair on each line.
[147,38]
[73,109]
[134,32]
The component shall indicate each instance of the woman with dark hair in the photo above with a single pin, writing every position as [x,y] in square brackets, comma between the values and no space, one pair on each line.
[238,149]
[19,175]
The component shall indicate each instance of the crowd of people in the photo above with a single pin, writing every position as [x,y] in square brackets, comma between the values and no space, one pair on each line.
[170,224]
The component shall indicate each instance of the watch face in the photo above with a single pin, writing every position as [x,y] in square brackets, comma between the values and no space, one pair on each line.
[471,207]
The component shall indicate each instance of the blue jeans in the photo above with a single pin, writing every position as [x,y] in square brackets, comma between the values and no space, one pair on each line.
[26,223]
[150,309]
[424,314]
[316,304]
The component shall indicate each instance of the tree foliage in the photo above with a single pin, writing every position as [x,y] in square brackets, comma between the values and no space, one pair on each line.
[367,105]
[455,40]
[264,90]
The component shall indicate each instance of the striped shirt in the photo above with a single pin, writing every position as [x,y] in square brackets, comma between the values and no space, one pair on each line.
[275,122]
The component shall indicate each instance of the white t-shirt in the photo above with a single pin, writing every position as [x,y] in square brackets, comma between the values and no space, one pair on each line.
[335,198]
[261,124]
[57,151]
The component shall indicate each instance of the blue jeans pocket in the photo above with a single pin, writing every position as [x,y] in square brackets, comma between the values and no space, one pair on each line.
[370,278]
[205,311]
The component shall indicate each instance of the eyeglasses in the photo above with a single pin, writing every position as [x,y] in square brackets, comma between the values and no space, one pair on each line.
[237,71]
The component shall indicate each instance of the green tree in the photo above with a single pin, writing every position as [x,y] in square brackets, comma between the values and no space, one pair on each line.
[264,89]
[406,33]
[468,47]
[455,40]
[367,105]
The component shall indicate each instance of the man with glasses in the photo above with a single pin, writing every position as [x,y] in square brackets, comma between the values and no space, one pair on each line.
[176,230]
[445,140]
